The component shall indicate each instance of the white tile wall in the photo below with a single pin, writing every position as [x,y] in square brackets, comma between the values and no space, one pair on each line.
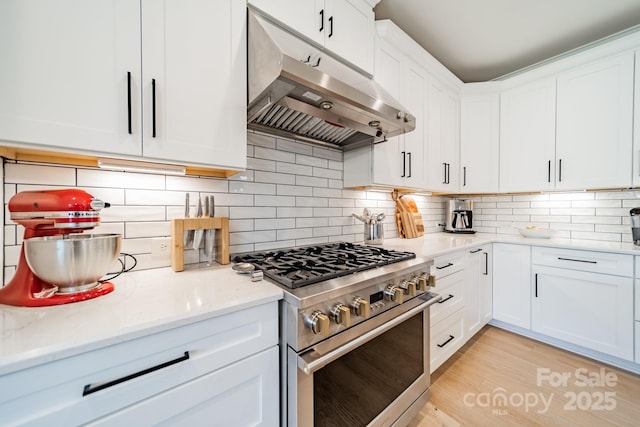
[602,215]
[290,195]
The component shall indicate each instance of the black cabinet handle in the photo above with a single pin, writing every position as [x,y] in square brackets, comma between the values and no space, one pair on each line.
[92,388]
[560,170]
[317,62]
[451,337]
[444,168]
[129,102]
[404,164]
[409,154]
[330,26]
[578,260]
[442,267]
[536,285]
[464,176]
[153,107]
[549,171]
[321,20]
[475,251]
[442,301]
[486,264]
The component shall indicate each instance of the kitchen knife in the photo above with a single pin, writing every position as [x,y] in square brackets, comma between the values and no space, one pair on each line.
[188,235]
[197,239]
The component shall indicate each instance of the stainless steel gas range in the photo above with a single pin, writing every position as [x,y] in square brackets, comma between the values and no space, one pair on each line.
[354,333]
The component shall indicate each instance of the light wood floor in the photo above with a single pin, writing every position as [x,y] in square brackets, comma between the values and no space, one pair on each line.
[465,390]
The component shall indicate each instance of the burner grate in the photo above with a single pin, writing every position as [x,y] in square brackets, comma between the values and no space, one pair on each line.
[297,267]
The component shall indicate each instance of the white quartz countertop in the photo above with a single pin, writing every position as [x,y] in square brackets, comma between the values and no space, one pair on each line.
[437,244]
[143,302]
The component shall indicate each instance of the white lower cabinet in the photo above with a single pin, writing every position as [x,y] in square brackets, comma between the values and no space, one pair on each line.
[242,394]
[447,316]
[220,371]
[512,284]
[447,336]
[478,289]
[574,302]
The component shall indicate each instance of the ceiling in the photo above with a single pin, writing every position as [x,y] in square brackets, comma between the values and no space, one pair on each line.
[479,40]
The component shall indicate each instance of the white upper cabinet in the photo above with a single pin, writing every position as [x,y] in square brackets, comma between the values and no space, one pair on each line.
[398,162]
[636,127]
[527,137]
[479,139]
[161,80]
[68,71]
[344,27]
[194,53]
[594,124]
[443,138]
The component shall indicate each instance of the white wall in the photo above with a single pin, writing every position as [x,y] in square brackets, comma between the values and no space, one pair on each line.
[290,195]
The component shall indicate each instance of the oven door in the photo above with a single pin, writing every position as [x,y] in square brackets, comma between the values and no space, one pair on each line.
[374,374]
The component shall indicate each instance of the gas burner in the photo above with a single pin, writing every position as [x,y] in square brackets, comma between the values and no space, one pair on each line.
[297,267]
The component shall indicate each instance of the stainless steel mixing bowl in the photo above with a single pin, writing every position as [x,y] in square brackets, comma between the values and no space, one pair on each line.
[73,262]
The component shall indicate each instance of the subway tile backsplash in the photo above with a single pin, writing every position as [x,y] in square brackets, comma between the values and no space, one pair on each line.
[290,195]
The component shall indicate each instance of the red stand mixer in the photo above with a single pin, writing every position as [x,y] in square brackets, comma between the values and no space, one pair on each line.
[52,217]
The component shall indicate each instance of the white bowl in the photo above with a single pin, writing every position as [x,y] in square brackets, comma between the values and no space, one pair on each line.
[538,233]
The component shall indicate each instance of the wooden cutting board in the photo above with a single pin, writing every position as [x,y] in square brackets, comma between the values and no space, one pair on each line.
[408,218]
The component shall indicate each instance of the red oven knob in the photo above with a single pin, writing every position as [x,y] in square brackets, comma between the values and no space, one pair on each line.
[318,322]
[394,293]
[341,314]
[361,307]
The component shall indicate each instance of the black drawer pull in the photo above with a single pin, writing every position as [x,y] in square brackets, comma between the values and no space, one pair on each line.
[451,337]
[446,299]
[486,264]
[153,107]
[578,260]
[92,388]
[444,266]
[476,251]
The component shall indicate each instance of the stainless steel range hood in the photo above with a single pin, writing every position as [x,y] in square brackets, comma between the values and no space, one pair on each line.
[299,91]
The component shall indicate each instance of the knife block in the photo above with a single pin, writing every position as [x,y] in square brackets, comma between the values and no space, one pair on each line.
[180,225]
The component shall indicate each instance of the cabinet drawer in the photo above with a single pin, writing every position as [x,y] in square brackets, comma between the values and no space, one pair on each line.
[446,338]
[595,262]
[451,288]
[243,393]
[447,264]
[86,386]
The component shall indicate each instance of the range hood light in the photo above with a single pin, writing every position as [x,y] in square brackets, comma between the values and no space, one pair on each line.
[326,105]
[142,167]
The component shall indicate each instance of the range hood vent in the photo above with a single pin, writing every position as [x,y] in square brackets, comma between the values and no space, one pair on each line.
[299,91]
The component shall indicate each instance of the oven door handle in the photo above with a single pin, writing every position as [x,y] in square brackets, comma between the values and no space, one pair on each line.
[309,363]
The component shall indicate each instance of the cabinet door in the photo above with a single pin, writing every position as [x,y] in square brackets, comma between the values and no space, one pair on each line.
[636,124]
[64,75]
[478,290]
[300,16]
[594,125]
[527,137]
[241,394]
[389,162]
[587,309]
[349,27]
[194,81]
[414,100]
[443,144]
[512,284]
[479,143]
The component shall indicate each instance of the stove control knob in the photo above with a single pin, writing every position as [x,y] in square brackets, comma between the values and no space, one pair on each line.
[422,281]
[341,314]
[361,307]
[409,287]
[318,322]
[394,293]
